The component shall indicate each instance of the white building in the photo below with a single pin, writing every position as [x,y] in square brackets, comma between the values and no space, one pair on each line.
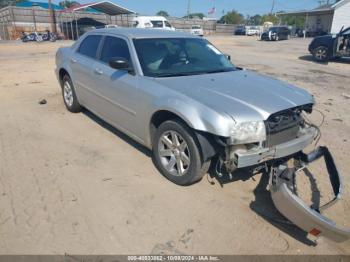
[329,18]
[341,15]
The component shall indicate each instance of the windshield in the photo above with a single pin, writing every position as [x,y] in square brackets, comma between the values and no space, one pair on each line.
[196,27]
[166,57]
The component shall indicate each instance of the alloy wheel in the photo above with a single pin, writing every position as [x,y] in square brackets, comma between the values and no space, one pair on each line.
[321,54]
[174,153]
[68,94]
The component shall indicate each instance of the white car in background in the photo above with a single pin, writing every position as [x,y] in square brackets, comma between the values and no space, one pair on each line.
[197,30]
[252,30]
[154,22]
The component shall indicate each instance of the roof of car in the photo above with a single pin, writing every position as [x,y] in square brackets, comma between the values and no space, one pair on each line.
[144,33]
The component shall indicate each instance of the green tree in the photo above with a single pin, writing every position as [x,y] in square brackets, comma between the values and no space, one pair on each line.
[195,15]
[4,3]
[68,3]
[254,20]
[163,13]
[270,18]
[298,21]
[232,17]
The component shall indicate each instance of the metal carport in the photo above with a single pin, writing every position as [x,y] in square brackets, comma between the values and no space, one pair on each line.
[105,7]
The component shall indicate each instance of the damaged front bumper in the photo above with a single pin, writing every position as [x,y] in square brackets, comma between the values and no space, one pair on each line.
[245,158]
[282,187]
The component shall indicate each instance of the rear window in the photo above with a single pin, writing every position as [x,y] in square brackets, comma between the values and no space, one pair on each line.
[90,45]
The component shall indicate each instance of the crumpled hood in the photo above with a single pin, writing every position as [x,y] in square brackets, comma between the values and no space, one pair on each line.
[244,95]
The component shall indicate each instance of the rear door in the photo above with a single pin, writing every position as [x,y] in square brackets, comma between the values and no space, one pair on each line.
[81,63]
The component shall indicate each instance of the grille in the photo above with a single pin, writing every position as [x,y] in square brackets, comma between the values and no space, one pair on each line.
[283,126]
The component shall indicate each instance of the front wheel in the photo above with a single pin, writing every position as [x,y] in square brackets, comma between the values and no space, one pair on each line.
[321,54]
[177,155]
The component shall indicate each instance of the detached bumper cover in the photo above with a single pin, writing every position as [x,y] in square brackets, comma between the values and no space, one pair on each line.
[293,208]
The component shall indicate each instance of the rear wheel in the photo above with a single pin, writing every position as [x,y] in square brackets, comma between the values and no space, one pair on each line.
[176,153]
[321,54]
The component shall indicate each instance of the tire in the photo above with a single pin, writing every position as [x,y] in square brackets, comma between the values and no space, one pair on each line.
[177,153]
[69,96]
[321,54]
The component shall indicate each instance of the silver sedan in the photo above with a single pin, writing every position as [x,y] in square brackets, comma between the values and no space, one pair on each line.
[180,96]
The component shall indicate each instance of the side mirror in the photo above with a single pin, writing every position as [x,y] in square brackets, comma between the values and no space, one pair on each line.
[120,63]
[228,57]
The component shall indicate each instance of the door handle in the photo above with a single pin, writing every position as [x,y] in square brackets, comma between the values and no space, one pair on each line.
[98,71]
[73,60]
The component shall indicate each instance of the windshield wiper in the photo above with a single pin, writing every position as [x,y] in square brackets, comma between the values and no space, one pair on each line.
[180,74]
[219,71]
[194,73]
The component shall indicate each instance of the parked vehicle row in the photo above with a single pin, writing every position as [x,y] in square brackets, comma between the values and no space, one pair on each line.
[252,30]
[38,37]
[197,30]
[247,30]
[276,33]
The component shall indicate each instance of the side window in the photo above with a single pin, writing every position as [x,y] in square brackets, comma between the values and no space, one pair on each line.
[167,24]
[135,23]
[114,47]
[157,23]
[89,45]
[347,32]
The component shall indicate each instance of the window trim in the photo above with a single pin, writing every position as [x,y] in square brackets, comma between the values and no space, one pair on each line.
[132,60]
[98,48]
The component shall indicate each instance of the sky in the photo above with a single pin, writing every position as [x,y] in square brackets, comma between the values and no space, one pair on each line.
[179,7]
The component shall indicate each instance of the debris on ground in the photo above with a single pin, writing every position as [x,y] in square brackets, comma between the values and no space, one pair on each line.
[347,96]
[43,102]
[338,120]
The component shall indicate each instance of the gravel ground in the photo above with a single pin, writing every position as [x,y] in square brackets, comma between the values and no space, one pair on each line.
[70,183]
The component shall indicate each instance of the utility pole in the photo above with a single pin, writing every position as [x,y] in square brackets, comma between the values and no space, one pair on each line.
[188,8]
[53,27]
[273,7]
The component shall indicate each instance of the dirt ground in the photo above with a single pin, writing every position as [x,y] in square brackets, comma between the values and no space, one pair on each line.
[70,183]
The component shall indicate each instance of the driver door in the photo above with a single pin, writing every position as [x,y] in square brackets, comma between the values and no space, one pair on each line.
[117,90]
[342,44]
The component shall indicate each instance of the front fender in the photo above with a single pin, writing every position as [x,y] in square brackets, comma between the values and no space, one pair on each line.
[197,116]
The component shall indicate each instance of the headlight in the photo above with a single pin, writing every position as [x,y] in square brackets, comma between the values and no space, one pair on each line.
[248,132]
